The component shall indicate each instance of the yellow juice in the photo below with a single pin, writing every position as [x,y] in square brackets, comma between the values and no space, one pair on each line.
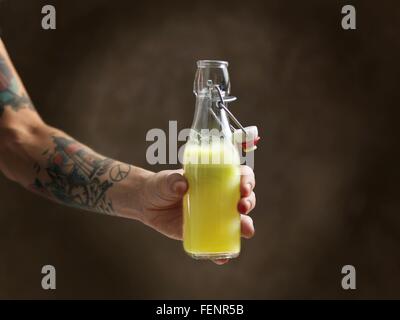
[211,219]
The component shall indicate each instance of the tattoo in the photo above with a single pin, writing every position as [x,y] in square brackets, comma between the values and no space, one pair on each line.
[78,177]
[10,90]
[119,172]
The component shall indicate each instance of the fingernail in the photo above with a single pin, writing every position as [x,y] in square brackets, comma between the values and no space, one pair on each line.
[242,208]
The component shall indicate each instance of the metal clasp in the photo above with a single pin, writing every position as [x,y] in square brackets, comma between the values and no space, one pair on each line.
[250,137]
[221,105]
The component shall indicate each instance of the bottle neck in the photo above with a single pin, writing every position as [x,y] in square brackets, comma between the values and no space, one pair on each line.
[209,119]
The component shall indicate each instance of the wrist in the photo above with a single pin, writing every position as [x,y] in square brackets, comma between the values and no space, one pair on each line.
[128,197]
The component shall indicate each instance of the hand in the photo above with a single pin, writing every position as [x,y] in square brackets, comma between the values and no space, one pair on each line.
[162,203]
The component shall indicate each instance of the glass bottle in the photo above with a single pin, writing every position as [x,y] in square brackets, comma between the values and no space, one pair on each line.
[212,167]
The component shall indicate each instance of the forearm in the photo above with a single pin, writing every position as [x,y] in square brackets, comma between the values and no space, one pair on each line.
[52,164]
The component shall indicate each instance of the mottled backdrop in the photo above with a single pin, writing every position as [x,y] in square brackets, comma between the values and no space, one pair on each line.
[326,102]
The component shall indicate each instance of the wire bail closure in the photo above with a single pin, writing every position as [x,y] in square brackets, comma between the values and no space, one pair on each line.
[221,105]
[248,138]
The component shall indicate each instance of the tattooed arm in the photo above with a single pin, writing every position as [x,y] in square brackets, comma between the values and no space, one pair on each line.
[50,163]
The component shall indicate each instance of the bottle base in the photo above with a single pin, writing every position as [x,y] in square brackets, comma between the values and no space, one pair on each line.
[213,256]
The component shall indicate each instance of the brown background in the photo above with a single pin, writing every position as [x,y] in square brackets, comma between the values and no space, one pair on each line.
[326,103]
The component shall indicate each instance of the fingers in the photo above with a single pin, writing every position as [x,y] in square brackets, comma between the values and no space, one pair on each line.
[247,226]
[247,182]
[246,204]
[220,262]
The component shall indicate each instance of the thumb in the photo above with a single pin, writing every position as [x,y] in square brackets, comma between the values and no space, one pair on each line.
[166,188]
